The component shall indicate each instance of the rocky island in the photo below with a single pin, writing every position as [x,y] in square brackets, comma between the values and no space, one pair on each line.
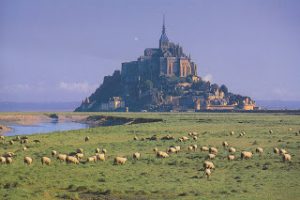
[163,79]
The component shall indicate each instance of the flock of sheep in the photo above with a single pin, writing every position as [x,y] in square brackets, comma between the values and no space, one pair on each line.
[101,154]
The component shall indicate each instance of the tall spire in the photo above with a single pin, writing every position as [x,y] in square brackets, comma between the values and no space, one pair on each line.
[164,27]
[163,41]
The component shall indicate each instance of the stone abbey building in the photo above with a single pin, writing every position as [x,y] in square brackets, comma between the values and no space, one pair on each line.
[163,79]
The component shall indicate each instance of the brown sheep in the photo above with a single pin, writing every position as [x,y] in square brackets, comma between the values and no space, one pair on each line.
[246,155]
[213,150]
[211,156]
[161,154]
[136,156]
[87,138]
[208,165]
[120,160]
[207,173]
[72,159]
[204,148]
[225,144]
[28,160]
[230,157]
[9,160]
[286,157]
[276,150]
[45,160]
[100,156]
[53,153]
[62,157]
[259,150]
[232,150]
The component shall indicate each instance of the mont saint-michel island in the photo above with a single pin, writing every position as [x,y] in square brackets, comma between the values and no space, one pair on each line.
[163,79]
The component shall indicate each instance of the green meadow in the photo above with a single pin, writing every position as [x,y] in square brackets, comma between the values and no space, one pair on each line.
[180,176]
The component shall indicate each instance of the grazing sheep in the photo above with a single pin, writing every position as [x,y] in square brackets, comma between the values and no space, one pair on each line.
[193,134]
[79,150]
[190,148]
[290,129]
[120,160]
[282,151]
[11,142]
[180,139]
[259,150]
[161,154]
[232,133]
[230,157]
[195,138]
[9,160]
[211,156]
[286,157]
[24,141]
[53,153]
[104,151]
[135,138]
[270,131]
[207,173]
[97,150]
[213,150]
[2,137]
[92,159]
[195,147]
[241,134]
[100,156]
[171,150]
[136,156]
[62,157]
[167,137]
[2,160]
[232,150]
[276,150]
[24,148]
[155,149]
[45,160]
[87,138]
[208,165]
[18,138]
[183,138]
[177,148]
[204,148]
[72,159]
[28,160]
[8,154]
[246,155]
[79,156]
[225,144]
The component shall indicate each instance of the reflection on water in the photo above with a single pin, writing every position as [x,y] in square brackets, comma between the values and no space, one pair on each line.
[45,127]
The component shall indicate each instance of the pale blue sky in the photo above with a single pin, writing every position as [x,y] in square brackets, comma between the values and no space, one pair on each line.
[60,50]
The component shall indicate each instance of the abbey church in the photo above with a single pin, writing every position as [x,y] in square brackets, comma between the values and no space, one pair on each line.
[163,79]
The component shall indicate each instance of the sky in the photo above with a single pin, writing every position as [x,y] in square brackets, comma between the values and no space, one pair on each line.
[60,50]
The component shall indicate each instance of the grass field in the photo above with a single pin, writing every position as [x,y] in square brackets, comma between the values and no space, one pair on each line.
[180,176]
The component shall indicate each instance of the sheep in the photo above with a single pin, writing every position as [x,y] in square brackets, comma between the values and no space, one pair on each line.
[230,157]
[195,147]
[136,156]
[53,153]
[207,173]
[72,159]
[270,131]
[2,160]
[28,160]
[120,160]
[204,148]
[213,150]
[45,160]
[104,151]
[286,157]
[87,138]
[24,148]
[183,138]
[155,149]
[8,154]
[24,141]
[193,134]
[177,148]
[276,150]
[171,150]
[11,142]
[62,157]
[241,134]
[2,137]
[79,150]
[259,150]
[92,159]
[161,154]
[211,156]
[18,138]
[97,150]
[180,139]
[224,144]
[9,160]
[282,151]
[190,148]
[246,155]
[195,138]
[79,156]
[208,165]
[232,133]
[100,156]
[135,138]
[232,150]
[290,129]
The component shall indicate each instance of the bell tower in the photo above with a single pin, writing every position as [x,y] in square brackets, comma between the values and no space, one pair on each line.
[163,41]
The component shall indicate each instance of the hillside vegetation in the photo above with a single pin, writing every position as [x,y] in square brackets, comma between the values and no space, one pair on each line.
[180,176]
